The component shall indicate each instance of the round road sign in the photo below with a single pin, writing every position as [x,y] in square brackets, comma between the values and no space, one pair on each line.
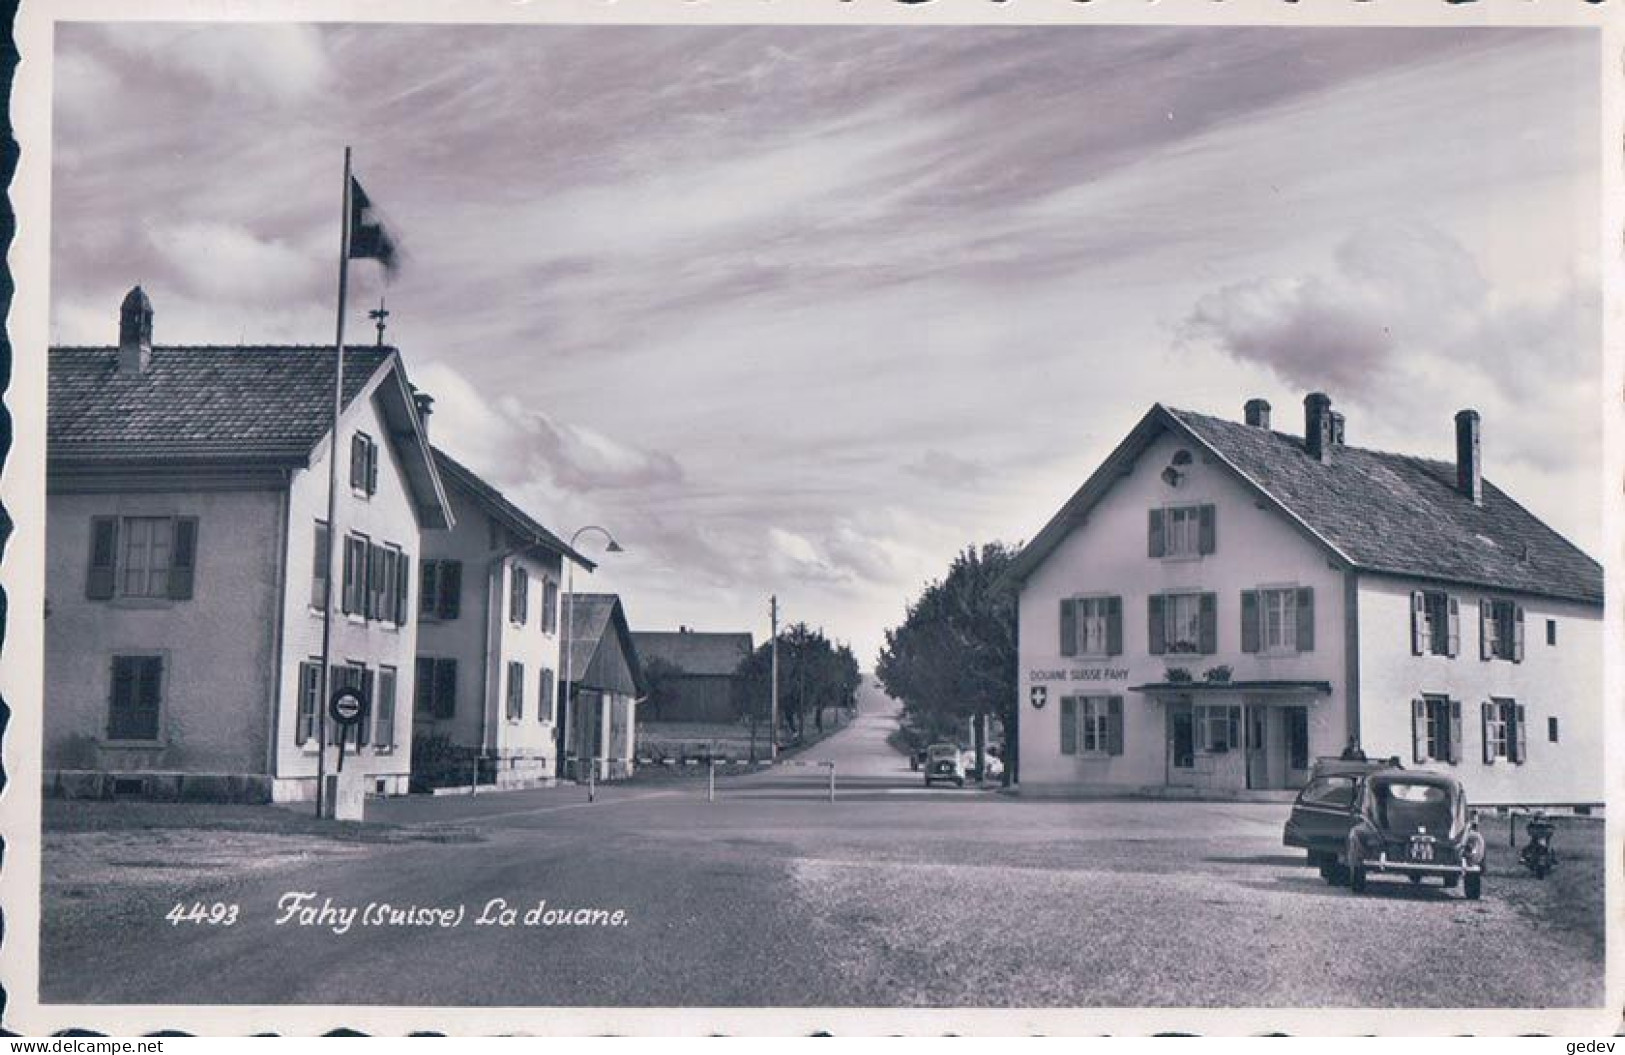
[348,706]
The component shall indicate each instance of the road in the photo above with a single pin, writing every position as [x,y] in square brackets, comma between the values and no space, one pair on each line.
[892,895]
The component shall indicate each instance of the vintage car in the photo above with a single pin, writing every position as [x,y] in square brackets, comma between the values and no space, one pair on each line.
[943,762]
[1326,808]
[1415,824]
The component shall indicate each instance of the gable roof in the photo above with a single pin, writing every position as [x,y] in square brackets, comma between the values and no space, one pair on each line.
[593,617]
[226,405]
[695,652]
[500,509]
[1391,514]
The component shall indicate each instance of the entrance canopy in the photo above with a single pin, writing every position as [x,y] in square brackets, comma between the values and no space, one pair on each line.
[1297,690]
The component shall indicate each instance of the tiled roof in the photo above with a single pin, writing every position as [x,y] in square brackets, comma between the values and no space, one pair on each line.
[1402,515]
[498,505]
[592,616]
[694,652]
[204,401]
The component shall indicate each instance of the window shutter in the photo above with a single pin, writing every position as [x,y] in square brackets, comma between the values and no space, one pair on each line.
[1419,730]
[1453,643]
[423,687]
[372,467]
[1069,725]
[1517,633]
[1249,621]
[358,461]
[1455,732]
[103,558]
[183,559]
[1157,546]
[369,592]
[1069,627]
[1486,719]
[428,587]
[310,687]
[362,728]
[321,565]
[1518,738]
[1206,530]
[1114,626]
[1419,643]
[445,688]
[1156,629]
[120,696]
[1208,609]
[347,590]
[403,583]
[1114,725]
[1306,619]
[1486,623]
[451,589]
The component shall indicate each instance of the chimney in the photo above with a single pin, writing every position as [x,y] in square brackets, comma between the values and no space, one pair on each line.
[1258,413]
[425,406]
[134,333]
[1337,429]
[1317,425]
[1469,463]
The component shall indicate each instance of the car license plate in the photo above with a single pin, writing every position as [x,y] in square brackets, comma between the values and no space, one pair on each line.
[1421,849]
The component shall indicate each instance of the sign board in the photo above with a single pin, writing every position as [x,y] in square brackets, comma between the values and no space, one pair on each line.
[348,706]
[1039,695]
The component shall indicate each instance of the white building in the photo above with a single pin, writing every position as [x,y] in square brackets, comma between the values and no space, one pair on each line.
[1221,603]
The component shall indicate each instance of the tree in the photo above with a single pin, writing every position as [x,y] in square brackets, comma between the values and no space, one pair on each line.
[814,674]
[660,676]
[954,656]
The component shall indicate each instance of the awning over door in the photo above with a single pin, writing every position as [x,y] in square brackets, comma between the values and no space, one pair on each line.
[1297,690]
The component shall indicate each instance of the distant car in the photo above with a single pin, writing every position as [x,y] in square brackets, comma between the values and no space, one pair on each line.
[943,763]
[1326,808]
[916,758]
[1415,825]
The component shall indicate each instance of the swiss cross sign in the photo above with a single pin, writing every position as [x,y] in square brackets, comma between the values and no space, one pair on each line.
[1039,695]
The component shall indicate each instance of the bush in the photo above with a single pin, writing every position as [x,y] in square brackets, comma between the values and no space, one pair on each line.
[440,762]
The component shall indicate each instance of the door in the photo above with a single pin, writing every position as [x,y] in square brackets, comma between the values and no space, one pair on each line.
[1297,745]
[1181,743]
[1258,741]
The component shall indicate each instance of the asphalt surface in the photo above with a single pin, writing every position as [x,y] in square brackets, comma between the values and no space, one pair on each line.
[892,896]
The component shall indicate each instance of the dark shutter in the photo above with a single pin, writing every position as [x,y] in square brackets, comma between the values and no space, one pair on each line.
[183,559]
[445,688]
[1455,732]
[310,687]
[1517,633]
[1453,641]
[372,467]
[1419,730]
[1249,621]
[1306,619]
[1486,711]
[1419,643]
[1156,629]
[100,581]
[369,593]
[321,565]
[347,587]
[423,687]
[1069,725]
[1518,736]
[1207,533]
[358,462]
[428,587]
[120,697]
[362,728]
[1114,725]
[1157,545]
[1114,626]
[1069,627]
[1208,609]
[403,574]
[451,589]
[1486,620]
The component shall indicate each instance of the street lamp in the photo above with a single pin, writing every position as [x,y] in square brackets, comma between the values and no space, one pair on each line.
[567,725]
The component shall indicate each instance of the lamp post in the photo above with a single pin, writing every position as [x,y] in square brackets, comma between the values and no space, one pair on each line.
[569,609]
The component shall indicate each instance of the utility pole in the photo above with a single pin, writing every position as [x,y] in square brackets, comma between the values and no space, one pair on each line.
[773,725]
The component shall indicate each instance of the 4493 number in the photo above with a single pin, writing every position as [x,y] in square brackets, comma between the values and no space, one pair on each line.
[217,914]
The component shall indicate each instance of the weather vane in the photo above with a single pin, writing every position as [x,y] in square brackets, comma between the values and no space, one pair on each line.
[378,315]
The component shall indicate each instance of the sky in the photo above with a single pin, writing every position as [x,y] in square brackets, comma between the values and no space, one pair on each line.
[807,310]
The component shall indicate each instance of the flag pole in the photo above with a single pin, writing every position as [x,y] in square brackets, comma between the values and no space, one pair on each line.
[334,540]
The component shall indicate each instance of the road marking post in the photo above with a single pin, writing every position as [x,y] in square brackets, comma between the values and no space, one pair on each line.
[832,781]
[711,782]
[592,782]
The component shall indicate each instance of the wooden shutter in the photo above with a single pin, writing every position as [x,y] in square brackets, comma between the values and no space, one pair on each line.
[1069,725]
[1486,622]
[1455,732]
[369,589]
[1517,633]
[1453,640]
[1486,719]
[100,581]
[428,588]
[1419,623]
[321,565]
[423,687]
[363,732]
[1306,619]
[451,589]
[1518,736]
[1208,610]
[384,711]
[403,584]
[120,697]
[1156,629]
[1069,627]
[1419,730]
[183,559]
[358,462]
[1114,725]
[347,590]
[310,687]
[1250,624]
[1157,546]
[1114,626]
[445,688]
[544,697]
[1207,534]
[372,467]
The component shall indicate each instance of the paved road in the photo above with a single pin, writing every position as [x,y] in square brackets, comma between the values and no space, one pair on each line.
[889,896]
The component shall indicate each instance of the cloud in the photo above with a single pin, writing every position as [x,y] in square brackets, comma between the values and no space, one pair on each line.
[228,261]
[947,470]
[280,63]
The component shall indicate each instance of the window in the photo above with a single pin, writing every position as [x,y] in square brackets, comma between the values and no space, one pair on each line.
[1183,623]
[320,566]
[544,696]
[1092,626]
[1435,623]
[386,583]
[516,691]
[1091,725]
[1336,793]
[440,583]
[1551,729]
[141,557]
[519,596]
[351,675]
[383,710]
[550,606]
[1500,630]
[310,698]
[1217,728]
[1182,531]
[135,697]
[1436,729]
[435,695]
[1505,735]
[363,464]
[353,598]
[1551,631]
[1278,619]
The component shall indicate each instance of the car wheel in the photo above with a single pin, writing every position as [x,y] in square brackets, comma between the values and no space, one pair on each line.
[1473,886]
[1357,878]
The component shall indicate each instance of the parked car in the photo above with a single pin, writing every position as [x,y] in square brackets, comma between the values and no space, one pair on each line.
[1415,825]
[1326,809]
[944,763]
